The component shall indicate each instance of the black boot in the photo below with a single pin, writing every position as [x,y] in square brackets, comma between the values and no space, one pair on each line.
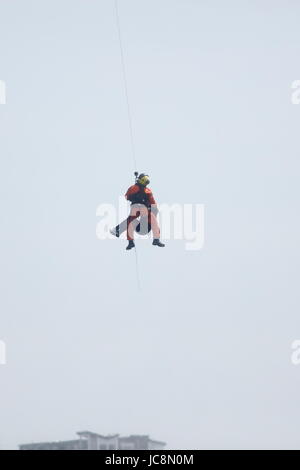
[157,242]
[130,245]
[115,231]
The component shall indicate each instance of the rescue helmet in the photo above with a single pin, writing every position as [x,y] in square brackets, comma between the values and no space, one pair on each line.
[143,179]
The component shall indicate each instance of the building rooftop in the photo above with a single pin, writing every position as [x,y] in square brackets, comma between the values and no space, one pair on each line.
[89,433]
[88,440]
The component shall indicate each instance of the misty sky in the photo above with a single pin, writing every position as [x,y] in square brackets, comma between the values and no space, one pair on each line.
[200,358]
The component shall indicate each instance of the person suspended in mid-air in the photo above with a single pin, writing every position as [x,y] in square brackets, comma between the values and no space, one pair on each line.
[144,207]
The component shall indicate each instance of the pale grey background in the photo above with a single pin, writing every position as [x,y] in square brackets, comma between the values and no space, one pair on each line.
[200,358]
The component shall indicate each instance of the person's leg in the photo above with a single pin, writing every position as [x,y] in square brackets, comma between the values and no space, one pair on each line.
[155,230]
[130,228]
[154,225]
[120,228]
[136,211]
[131,225]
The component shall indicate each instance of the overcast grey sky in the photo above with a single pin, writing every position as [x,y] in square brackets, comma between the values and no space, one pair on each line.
[200,358]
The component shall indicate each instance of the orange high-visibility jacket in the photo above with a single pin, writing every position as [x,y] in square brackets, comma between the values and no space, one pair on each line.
[139,195]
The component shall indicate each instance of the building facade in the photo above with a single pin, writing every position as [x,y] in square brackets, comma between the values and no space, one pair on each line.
[92,441]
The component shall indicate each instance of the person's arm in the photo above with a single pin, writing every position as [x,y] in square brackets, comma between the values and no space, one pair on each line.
[130,193]
[152,201]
